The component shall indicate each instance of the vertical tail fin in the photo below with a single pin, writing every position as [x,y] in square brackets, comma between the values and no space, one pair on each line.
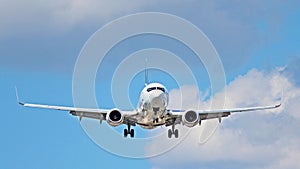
[146,73]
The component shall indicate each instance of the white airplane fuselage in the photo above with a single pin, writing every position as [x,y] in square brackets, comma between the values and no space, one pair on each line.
[152,105]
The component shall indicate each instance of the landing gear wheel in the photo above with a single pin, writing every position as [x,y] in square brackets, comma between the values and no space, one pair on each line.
[125,132]
[169,133]
[173,131]
[155,120]
[176,133]
[131,133]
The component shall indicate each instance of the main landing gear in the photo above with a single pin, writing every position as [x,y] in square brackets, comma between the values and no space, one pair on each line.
[173,131]
[155,120]
[129,131]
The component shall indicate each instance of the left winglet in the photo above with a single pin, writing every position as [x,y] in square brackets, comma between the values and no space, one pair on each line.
[21,103]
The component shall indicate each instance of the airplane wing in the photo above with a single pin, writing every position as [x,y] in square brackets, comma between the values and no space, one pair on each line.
[210,114]
[81,112]
[100,114]
[217,113]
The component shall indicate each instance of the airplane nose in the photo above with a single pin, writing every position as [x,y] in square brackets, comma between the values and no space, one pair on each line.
[157,99]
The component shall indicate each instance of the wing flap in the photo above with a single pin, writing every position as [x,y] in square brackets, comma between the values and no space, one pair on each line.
[207,116]
[100,116]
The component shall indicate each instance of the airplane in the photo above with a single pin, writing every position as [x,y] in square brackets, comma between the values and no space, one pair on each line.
[152,111]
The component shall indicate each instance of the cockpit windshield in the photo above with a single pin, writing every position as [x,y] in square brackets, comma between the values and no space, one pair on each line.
[156,88]
[161,88]
[150,89]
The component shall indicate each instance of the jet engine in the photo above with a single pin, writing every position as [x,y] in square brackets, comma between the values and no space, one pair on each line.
[114,117]
[190,118]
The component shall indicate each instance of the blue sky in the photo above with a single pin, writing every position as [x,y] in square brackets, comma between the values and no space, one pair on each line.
[39,45]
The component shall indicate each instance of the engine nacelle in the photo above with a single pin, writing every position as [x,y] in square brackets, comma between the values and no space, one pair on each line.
[190,118]
[114,117]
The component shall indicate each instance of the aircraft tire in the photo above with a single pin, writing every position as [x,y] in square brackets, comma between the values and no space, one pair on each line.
[169,133]
[131,133]
[125,132]
[176,133]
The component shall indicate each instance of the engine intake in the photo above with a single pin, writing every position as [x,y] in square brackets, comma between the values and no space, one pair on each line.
[114,117]
[190,118]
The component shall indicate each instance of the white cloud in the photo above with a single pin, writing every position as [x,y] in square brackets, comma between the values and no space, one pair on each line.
[221,21]
[31,16]
[264,139]
[187,93]
[77,11]
[71,13]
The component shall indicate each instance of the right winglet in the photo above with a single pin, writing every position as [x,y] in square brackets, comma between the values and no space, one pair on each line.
[281,100]
[278,105]
[21,103]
